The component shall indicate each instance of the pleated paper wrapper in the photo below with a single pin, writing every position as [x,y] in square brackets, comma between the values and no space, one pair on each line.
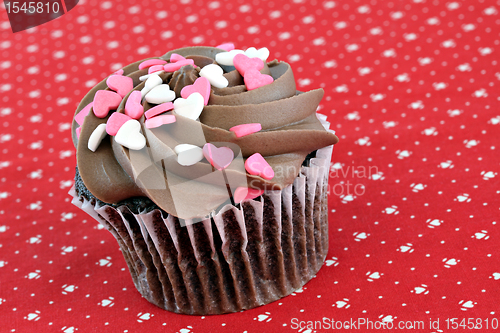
[238,259]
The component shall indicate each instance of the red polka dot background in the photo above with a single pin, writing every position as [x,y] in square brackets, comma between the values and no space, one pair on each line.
[411,89]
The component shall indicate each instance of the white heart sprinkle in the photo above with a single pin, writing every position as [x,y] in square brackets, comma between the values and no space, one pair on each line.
[130,136]
[188,154]
[214,75]
[160,94]
[226,58]
[145,77]
[152,81]
[190,107]
[262,53]
[97,136]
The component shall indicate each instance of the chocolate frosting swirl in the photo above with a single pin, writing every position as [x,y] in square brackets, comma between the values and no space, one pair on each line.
[290,131]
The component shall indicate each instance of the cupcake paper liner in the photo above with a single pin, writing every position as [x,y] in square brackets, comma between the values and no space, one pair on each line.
[240,258]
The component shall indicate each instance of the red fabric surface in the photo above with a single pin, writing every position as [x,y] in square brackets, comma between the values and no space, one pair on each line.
[411,87]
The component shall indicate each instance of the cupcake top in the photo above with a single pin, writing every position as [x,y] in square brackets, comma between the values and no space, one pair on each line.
[196,128]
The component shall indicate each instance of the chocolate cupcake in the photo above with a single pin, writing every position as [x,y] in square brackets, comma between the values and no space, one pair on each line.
[211,171]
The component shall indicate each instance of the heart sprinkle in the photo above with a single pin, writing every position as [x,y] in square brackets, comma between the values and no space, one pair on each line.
[96,137]
[152,81]
[119,72]
[115,121]
[173,66]
[201,85]
[226,58]
[220,158]
[262,53]
[151,62]
[245,193]
[160,94]
[226,46]
[245,129]
[255,79]
[121,84]
[80,117]
[174,57]
[78,131]
[258,166]
[242,63]
[160,120]
[190,107]
[188,154]
[155,68]
[214,74]
[154,111]
[147,76]
[133,106]
[105,101]
[130,136]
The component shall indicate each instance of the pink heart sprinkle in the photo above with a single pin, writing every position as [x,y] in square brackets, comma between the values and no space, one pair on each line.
[155,68]
[258,166]
[255,79]
[220,158]
[133,106]
[243,63]
[115,121]
[160,120]
[173,66]
[246,193]
[80,117]
[201,85]
[121,84]
[78,131]
[226,46]
[119,72]
[104,101]
[174,57]
[151,62]
[154,111]
[245,129]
